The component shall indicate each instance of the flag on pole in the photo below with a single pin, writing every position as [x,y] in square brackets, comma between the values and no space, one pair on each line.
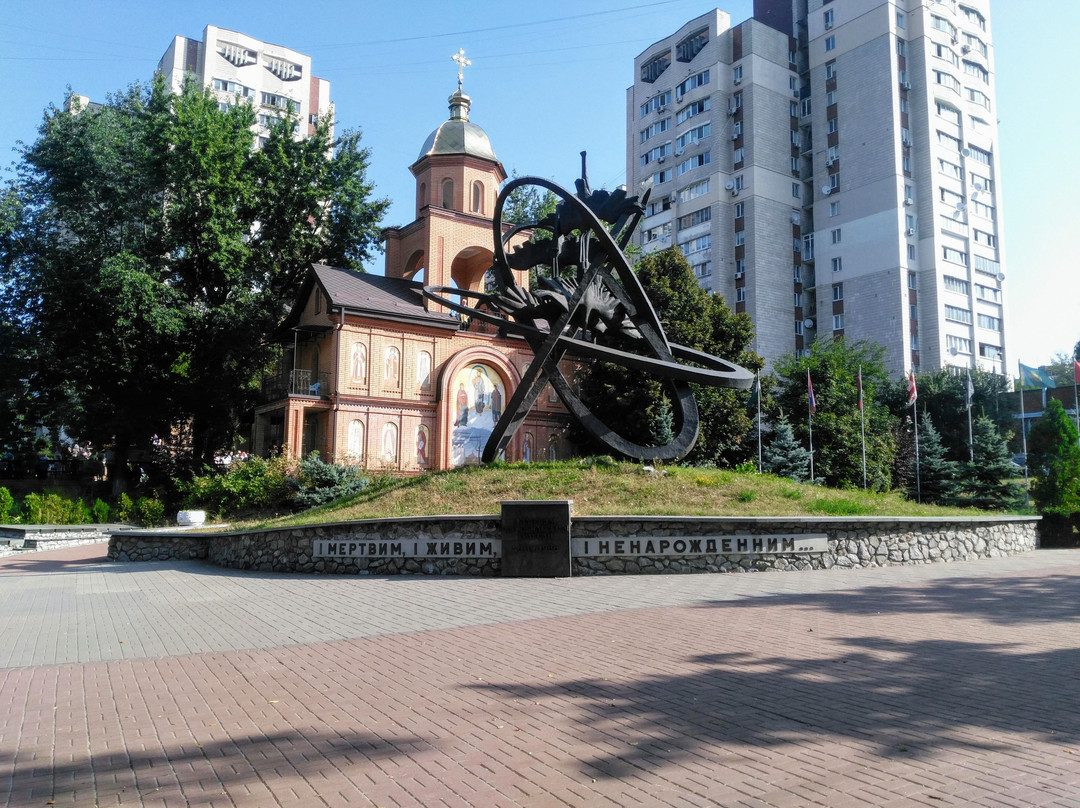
[1034,377]
[970,389]
[1076,371]
[810,389]
[912,390]
[860,387]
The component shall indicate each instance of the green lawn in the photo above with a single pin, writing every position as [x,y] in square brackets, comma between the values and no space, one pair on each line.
[603,487]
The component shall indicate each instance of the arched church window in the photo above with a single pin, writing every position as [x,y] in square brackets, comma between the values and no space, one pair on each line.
[478,197]
[448,193]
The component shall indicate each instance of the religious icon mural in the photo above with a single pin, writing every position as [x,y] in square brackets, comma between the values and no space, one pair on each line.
[359,362]
[390,443]
[526,448]
[393,367]
[477,398]
[356,441]
[423,437]
[423,370]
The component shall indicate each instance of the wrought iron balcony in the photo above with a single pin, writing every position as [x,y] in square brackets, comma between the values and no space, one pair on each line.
[296,383]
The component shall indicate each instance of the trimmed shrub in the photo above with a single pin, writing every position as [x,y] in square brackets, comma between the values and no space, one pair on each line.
[319,482]
[101,512]
[7,505]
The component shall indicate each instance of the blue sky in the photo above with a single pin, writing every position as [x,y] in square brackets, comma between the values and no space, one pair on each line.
[547,81]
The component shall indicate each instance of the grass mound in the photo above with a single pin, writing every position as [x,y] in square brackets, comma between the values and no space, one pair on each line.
[605,487]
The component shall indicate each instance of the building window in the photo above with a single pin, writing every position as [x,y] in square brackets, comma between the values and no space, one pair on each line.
[901,47]
[834,182]
[956,284]
[989,323]
[657,103]
[478,197]
[957,314]
[900,22]
[830,43]
[834,234]
[651,70]
[838,322]
[798,328]
[960,344]
[692,219]
[740,210]
[838,291]
[912,281]
[738,181]
[696,245]
[448,193]
[736,100]
[828,18]
[796,273]
[661,125]
[694,191]
[796,189]
[692,136]
[690,47]
[703,270]
[837,264]
[982,237]
[740,267]
[794,109]
[690,110]
[988,293]
[740,238]
[954,256]
[738,155]
[692,163]
[798,299]
[740,294]
[831,125]
[736,74]
[830,70]
[834,208]
[989,351]
[661,176]
[690,83]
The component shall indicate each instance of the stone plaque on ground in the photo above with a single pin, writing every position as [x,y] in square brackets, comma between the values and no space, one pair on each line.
[536,539]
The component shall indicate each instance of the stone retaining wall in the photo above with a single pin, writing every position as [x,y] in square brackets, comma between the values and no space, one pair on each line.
[852,542]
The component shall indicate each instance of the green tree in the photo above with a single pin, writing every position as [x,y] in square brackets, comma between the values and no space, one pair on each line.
[834,368]
[1061,370]
[1054,461]
[988,481]
[938,476]
[784,456]
[943,395]
[155,250]
[638,407]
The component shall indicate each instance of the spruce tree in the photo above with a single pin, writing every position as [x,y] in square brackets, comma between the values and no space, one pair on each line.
[937,474]
[1054,461]
[989,479]
[784,456]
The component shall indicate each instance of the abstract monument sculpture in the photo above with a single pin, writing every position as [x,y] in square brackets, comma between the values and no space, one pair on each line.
[588,304]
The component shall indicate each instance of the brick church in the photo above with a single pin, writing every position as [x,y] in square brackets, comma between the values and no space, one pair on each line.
[374,374]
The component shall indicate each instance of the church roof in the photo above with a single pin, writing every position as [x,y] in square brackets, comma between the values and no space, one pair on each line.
[458,135]
[376,296]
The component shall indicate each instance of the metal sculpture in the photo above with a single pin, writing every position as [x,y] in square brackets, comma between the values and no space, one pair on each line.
[588,304]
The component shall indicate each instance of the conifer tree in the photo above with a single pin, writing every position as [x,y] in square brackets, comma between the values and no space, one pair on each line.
[938,476]
[988,480]
[1054,461]
[784,456]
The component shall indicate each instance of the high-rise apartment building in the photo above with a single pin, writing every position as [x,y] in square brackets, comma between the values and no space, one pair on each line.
[276,79]
[831,169]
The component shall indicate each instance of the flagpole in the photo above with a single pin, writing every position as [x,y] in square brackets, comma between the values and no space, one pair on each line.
[970,400]
[918,480]
[862,426]
[758,377]
[1023,437]
[810,419]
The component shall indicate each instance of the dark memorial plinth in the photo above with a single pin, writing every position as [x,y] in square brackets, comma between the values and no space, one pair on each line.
[536,539]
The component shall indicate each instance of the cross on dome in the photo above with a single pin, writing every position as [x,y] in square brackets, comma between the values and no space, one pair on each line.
[462,63]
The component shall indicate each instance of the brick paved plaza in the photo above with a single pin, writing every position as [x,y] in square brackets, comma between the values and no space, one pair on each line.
[175,684]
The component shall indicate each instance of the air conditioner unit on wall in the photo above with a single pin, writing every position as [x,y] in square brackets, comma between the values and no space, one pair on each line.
[910,231]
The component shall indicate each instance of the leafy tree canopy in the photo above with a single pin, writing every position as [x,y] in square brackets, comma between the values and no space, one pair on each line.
[1054,461]
[639,407]
[834,368]
[148,250]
